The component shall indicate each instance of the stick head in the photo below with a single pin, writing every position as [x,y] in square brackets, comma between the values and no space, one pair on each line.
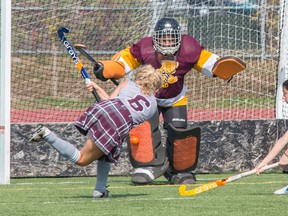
[79,46]
[61,30]
[182,190]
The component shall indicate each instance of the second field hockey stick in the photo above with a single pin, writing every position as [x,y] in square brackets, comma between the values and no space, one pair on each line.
[220,182]
[81,49]
[76,60]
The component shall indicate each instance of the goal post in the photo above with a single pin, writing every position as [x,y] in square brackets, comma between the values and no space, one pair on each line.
[5,76]
[281,106]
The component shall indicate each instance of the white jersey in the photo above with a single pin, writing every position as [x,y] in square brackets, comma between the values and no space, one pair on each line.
[140,106]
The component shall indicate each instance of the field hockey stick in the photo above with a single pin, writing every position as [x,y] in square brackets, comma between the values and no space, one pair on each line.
[81,49]
[76,60]
[220,182]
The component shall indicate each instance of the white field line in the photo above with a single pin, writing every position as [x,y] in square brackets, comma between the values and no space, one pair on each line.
[127,186]
[47,183]
[103,200]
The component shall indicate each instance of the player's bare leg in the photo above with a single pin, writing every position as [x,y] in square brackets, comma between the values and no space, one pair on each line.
[89,153]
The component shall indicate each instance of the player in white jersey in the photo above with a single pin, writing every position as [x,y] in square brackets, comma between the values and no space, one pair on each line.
[139,106]
[109,121]
[279,147]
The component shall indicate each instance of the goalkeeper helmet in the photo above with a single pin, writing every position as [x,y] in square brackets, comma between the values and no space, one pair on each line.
[167,36]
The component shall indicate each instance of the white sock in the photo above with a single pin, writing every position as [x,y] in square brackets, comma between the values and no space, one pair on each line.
[65,148]
[103,168]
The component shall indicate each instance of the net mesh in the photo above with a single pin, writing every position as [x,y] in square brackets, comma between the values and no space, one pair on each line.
[46,86]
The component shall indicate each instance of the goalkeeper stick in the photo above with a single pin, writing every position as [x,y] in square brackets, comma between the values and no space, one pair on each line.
[76,60]
[81,49]
[220,182]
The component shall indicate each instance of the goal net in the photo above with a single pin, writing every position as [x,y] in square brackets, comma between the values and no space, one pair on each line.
[46,86]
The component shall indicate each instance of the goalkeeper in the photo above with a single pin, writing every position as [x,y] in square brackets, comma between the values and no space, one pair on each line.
[173,54]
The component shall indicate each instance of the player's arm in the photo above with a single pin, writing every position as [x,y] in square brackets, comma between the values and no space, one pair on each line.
[116,91]
[278,146]
[223,67]
[120,64]
[101,92]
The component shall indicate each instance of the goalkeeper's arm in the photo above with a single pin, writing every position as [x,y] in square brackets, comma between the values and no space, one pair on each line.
[223,67]
[116,68]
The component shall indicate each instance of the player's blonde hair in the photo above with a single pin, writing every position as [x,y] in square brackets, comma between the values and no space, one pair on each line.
[148,80]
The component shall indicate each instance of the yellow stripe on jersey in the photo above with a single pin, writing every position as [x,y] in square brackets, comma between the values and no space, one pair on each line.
[181,102]
[128,58]
[204,56]
[119,64]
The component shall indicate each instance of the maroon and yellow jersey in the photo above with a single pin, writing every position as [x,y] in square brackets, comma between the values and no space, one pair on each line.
[190,55]
[186,57]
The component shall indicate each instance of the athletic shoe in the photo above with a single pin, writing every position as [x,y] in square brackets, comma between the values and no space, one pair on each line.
[145,175]
[282,191]
[98,194]
[183,178]
[180,178]
[285,168]
[40,133]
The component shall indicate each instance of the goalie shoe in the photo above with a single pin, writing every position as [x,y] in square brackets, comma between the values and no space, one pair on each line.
[181,178]
[144,175]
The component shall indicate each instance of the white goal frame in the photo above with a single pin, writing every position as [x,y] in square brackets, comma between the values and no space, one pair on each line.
[5,78]
[281,106]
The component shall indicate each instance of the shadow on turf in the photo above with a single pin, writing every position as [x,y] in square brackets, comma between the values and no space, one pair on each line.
[113,196]
[151,183]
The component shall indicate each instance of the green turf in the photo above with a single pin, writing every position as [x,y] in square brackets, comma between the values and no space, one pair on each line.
[72,196]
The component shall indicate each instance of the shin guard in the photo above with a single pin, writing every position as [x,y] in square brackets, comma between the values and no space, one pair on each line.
[183,148]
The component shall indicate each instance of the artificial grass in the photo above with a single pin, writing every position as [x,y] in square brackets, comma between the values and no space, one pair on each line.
[250,196]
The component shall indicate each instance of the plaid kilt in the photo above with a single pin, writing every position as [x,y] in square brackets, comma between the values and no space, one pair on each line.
[109,123]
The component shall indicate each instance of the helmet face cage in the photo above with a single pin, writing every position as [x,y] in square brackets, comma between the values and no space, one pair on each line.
[167,36]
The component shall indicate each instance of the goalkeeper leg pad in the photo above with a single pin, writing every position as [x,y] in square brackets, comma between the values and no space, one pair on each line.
[183,148]
[146,152]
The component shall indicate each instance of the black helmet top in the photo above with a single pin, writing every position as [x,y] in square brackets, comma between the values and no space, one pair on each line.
[167,36]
